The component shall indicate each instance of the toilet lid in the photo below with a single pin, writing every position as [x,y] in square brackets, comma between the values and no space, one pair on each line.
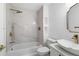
[43,49]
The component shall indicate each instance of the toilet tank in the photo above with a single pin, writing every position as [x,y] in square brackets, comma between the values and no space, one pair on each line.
[50,41]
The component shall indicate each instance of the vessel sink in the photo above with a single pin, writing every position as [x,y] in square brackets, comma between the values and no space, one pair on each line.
[69,46]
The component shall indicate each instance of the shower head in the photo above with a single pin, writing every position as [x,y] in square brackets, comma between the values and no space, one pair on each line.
[17,11]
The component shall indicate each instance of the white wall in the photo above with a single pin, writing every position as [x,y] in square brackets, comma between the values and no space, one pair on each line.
[57,21]
[3,23]
[45,22]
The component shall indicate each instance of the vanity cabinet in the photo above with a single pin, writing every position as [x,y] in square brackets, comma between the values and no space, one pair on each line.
[55,50]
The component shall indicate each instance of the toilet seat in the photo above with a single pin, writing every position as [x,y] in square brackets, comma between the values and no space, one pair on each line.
[43,50]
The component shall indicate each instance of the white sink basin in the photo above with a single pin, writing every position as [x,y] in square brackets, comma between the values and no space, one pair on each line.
[69,46]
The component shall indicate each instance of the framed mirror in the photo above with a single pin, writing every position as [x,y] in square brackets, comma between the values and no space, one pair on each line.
[73,19]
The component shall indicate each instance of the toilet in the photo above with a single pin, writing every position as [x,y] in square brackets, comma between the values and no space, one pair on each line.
[44,51]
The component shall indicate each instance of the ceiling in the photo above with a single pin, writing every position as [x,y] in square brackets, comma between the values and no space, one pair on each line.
[29,6]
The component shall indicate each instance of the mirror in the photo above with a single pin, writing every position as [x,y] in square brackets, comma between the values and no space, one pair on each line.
[73,19]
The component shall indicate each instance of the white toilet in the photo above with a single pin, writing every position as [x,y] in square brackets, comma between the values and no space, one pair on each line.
[44,51]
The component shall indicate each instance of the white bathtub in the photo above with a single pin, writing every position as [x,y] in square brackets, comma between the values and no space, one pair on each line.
[23,49]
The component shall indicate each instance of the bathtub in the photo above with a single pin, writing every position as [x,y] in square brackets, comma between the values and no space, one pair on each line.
[23,49]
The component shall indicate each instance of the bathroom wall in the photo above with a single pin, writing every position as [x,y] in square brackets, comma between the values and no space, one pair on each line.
[3,23]
[24,25]
[45,21]
[57,21]
[3,26]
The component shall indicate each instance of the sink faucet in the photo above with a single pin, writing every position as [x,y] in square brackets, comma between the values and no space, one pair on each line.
[75,38]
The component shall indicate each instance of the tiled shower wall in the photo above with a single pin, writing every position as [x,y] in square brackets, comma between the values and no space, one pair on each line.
[22,24]
[25,27]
